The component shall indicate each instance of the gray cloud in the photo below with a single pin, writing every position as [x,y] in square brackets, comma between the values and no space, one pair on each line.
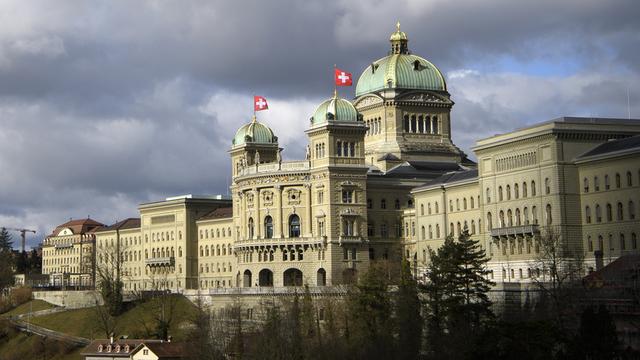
[106,105]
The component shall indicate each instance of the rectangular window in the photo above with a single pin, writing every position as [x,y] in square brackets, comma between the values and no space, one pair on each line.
[320,197]
[347,196]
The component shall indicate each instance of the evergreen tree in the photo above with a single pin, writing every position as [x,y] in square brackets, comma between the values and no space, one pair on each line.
[22,262]
[6,259]
[408,317]
[369,320]
[473,283]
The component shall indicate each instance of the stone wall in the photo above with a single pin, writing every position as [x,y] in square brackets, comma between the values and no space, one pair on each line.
[69,299]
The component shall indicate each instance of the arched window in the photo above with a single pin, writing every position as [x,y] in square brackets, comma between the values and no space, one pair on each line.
[534,214]
[620,212]
[525,215]
[500,193]
[250,228]
[587,214]
[585,185]
[421,209]
[510,218]
[471,202]
[524,189]
[488,195]
[397,204]
[430,232]
[607,185]
[533,188]
[609,213]
[618,182]
[547,186]
[473,227]
[516,191]
[294,226]
[623,245]
[489,221]
[518,223]
[501,218]
[429,208]
[589,244]
[423,233]
[437,230]
[598,213]
[600,243]
[632,211]
[634,241]
[450,205]
[508,192]
[629,179]
[596,184]
[383,204]
[268,227]
[437,208]
[548,214]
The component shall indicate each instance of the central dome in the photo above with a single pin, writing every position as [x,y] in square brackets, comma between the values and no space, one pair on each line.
[400,70]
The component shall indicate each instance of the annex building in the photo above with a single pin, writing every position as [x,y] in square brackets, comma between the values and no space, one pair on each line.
[381,181]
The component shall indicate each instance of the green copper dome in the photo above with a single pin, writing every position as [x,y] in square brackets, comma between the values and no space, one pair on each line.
[334,109]
[400,70]
[254,132]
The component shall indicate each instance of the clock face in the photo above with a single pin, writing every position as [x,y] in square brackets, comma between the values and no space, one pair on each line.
[66,231]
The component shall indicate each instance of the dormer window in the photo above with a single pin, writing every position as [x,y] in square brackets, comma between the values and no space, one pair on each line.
[100,348]
[416,65]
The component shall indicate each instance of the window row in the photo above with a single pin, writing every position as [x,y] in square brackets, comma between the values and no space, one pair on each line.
[215,251]
[374,125]
[623,243]
[206,233]
[465,204]
[320,150]
[396,204]
[517,191]
[607,182]
[204,268]
[519,218]
[631,212]
[294,227]
[345,148]
[421,124]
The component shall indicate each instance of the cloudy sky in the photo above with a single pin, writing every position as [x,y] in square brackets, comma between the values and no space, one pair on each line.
[107,104]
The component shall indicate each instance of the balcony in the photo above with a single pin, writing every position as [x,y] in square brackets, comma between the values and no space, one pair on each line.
[63,246]
[522,230]
[161,261]
[285,241]
[350,239]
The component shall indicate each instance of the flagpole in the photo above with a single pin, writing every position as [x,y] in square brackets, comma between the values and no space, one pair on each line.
[335,85]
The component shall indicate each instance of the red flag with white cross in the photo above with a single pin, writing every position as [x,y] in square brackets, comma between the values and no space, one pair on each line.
[259,103]
[343,78]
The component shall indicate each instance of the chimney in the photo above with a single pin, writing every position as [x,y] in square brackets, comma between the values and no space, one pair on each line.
[169,338]
[111,338]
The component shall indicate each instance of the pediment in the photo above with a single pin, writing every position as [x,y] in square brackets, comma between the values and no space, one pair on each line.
[368,101]
[424,97]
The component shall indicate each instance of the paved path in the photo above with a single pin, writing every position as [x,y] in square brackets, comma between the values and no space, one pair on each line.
[24,326]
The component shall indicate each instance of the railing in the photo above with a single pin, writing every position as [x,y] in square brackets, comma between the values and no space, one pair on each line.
[516,230]
[315,240]
[350,239]
[270,290]
[300,165]
[63,246]
[170,260]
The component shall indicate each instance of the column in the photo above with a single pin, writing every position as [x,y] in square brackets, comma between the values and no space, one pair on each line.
[257,222]
[308,229]
[278,220]
[430,124]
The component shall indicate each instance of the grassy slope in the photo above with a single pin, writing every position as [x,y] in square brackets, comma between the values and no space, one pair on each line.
[24,308]
[134,322]
[22,346]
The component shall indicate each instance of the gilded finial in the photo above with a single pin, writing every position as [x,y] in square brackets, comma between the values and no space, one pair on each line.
[335,93]
[398,25]
[253,119]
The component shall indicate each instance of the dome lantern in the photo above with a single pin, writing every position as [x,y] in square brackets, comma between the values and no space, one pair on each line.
[399,41]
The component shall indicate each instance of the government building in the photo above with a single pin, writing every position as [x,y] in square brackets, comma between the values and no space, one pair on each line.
[381,181]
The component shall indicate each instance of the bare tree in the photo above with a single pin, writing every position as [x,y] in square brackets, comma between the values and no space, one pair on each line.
[557,271]
[109,275]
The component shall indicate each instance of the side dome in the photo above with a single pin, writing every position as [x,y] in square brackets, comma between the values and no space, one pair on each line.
[400,70]
[254,132]
[335,109]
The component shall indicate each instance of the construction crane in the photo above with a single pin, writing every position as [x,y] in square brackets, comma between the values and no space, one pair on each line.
[23,234]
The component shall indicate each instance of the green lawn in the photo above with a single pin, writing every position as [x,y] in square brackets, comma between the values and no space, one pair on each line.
[33,305]
[137,322]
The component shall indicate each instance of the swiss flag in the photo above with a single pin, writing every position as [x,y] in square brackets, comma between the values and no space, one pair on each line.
[259,103]
[343,78]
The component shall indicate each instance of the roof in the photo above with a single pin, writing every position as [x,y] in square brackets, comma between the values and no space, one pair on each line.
[254,132]
[614,146]
[130,223]
[451,177]
[80,226]
[426,170]
[101,347]
[334,109]
[622,269]
[219,213]
[165,350]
